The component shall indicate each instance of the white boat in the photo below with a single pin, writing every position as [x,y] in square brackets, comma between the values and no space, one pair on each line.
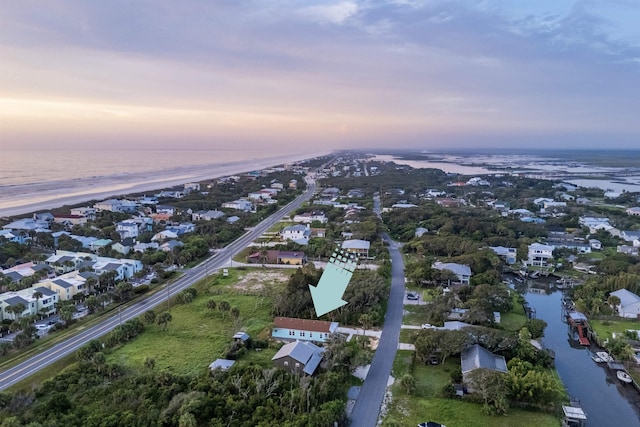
[604,356]
[597,358]
[624,377]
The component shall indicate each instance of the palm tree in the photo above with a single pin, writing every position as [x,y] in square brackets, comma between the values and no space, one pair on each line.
[37,295]
[224,306]
[614,302]
[16,310]
[164,319]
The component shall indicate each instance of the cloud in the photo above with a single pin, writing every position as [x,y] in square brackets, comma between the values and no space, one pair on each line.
[353,72]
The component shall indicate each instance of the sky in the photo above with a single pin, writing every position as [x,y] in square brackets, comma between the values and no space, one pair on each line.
[245,74]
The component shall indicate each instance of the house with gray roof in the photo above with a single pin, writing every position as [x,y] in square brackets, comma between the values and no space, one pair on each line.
[299,357]
[463,272]
[629,306]
[476,357]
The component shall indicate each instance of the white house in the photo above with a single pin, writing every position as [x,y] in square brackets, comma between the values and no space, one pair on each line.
[127,229]
[463,272]
[309,217]
[296,232]
[629,306]
[240,204]
[510,255]
[635,211]
[539,254]
[206,215]
[358,247]
[631,236]
[88,212]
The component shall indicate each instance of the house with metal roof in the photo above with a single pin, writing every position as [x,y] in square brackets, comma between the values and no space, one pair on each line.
[299,357]
[462,271]
[476,357]
[629,306]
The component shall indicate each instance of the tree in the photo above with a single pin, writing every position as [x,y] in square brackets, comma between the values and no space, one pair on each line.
[92,303]
[149,316]
[408,383]
[614,302]
[224,307]
[235,313]
[211,304]
[492,388]
[16,310]
[365,321]
[149,363]
[37,295]
[164,319]
[67,310]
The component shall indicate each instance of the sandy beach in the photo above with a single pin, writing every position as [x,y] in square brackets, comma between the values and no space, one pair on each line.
[24,199]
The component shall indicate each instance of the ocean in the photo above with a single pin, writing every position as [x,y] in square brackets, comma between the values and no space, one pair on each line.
[41,179]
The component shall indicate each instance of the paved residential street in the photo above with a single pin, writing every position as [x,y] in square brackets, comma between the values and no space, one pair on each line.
[222,258]
[367,408]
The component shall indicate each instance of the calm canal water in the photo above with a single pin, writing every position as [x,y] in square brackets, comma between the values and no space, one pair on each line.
[602,395]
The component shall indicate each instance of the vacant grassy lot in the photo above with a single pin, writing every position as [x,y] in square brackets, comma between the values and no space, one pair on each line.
[605,328]
[415,315]
[197,335]
[427,405]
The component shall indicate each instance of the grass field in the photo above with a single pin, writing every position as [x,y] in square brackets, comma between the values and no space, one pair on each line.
[197,336]
[427,405]
[605,328]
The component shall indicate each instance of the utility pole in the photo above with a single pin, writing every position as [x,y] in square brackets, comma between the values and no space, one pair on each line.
[168,304]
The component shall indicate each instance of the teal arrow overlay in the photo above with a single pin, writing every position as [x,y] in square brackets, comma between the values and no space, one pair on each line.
[327,295]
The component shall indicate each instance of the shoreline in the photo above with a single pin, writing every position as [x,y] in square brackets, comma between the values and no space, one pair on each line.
[45,196]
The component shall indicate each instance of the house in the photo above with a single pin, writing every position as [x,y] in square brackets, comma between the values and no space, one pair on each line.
[164,235]
[457,314]
[360,248]
[142,247]
[191,186]
[420,231]
[631,236]
[127,229]
[290,328]
[293,184]
[318,232]
[635,211]
[476,357]
[170,245]
[172,194]
[539,254]
[462,271]
[120,248]
[403,206]
[207,215]
[240,205]
[70,220]
[222,364]
[96,245]
[12,299]
[296,232]
[27,224]
[87,212]
[595,244]
[299,357]
[277,186]
[309,217]
[629,306]
[13,236]
[629,250]
[510,255]
[165,210]
[114,205]
[232,219]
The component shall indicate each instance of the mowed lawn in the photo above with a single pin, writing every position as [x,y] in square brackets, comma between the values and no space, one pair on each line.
[197,335]
[427,405]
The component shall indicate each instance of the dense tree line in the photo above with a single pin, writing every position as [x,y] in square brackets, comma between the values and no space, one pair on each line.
[365,294]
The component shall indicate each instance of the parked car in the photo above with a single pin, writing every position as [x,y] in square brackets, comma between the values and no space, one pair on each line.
[431,424]
[428,326]
[412,296]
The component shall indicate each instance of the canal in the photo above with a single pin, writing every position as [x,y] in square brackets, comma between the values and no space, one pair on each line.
[604,399]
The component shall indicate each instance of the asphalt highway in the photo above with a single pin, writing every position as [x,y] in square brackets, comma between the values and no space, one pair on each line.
[221,259]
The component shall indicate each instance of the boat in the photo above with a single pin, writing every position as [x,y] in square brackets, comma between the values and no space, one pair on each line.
[604,356]
[624,377]
[597,358]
